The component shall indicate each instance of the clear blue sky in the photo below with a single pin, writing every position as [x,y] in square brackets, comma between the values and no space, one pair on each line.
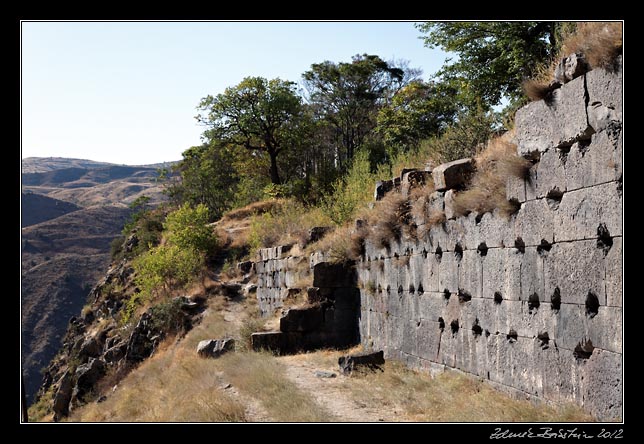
[126,92]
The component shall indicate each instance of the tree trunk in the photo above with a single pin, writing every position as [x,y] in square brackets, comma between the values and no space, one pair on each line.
[275,176]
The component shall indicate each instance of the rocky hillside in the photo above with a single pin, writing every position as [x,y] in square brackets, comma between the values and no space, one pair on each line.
[61,260]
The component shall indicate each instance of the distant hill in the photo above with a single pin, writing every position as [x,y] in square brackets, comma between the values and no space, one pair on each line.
[36,208]
[86,183]
[62,259]
[44,164]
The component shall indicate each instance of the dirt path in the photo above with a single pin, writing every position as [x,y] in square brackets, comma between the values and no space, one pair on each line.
[333,394]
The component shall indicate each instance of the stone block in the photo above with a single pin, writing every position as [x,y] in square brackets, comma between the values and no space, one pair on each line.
[605,329]
[559,122]
[613,266]
[453,174]
[493,230]
[330,275]
[605,87]
[382,188]
[450,212]
[302,320]
[470,274]
[532,274]
[601,389]
[214,348]
[535,221]
[575,268]
[581,212]
[515,189]
[550,173]
[448,272]
[593,164]
[570,68]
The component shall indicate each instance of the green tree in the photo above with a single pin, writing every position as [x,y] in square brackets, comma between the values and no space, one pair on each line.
[208,176]
[348,95]
[493,58]
[418,111]
[258,114]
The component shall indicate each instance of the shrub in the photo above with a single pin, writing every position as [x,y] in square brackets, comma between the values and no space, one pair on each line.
[167,316]
[344,245]
[188,228]
[599,42]
[351,192]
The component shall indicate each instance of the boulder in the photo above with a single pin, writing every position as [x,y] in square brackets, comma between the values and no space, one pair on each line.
[86,377]
[374,360]
[90,348]
[62,397]
[453,174]
[142,341]
[324,374]
[214,348]
[116,352]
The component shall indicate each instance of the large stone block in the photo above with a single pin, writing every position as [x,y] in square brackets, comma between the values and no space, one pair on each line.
[601,389]
[428,339]
[470,275]
[575,269]
[453,174]
[559,374]
[581,212]
[515,189]
[605,329]
[535,222]
[431,306]
[493,229]
[330,275]
[561,121]
[605,87]
[614,274]
[550,173]
[532,274]
[593,164]
[448,272]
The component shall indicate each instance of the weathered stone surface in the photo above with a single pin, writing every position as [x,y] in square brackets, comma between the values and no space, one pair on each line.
[63,396]
[116,352]
[582,211]
[302,319]
[91,348]
[593,164]
[413,179]
[453,174]
[266,340]
[329,275]
[550,173]
[535,221]
[214,348]
[540,126]
[575,268]
[601,390]
[86,377]
[614,274]
[450,213]
[515,189]
[605,329]
[350,363]
[570,68]
[605,87]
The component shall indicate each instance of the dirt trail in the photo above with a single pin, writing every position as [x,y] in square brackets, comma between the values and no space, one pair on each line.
[333,393]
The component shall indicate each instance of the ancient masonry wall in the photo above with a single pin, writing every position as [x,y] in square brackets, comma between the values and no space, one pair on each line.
[531,303]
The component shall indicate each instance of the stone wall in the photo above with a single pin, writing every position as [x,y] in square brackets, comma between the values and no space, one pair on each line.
[532,303]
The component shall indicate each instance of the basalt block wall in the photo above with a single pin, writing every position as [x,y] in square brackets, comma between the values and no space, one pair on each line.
[531,302]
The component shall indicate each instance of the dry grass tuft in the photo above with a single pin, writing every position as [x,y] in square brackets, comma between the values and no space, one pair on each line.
[390,214]
[344,244]
[423,212]
[494,166]
[599,42]
[253,209]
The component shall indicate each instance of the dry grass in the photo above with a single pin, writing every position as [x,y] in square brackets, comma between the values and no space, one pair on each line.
[343,245]
[390,215]
[486,191]
[450,396]
[424,214]
[600,43]
[260,375]
[252,210]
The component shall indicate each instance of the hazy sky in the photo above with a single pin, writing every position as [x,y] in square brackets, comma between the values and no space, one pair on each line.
[126,92]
